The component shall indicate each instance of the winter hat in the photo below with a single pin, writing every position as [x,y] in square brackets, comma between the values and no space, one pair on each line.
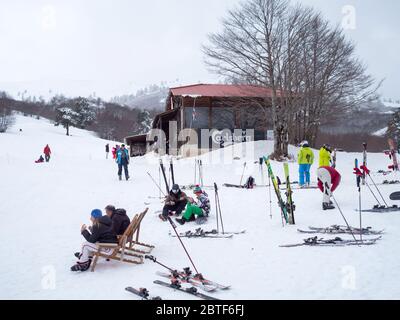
[304,143]
[96,213]
[197,190]
[175,188]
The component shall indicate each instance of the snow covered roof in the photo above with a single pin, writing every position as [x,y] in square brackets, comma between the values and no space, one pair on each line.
[222,90]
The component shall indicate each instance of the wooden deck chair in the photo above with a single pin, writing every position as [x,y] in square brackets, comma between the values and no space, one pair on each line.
[121,251]
[134,243]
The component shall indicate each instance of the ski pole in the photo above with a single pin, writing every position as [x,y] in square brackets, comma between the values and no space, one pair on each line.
[218,208]
[171,166]
[177,234]
[340,210]
[216,205]
[195,172]
[358,174]
[158,186]
[244,168]
[377,189]
[154,259]
[373,193]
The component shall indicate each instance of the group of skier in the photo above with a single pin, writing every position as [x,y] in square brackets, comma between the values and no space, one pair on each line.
[47,155]
[328,177]
[104,229]
[121,156]
[177,203]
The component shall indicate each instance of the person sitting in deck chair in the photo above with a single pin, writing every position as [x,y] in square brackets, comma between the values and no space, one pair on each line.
[120,220]
[199,208]
[101,231]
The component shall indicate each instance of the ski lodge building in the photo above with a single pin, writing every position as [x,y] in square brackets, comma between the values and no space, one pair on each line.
[210,106]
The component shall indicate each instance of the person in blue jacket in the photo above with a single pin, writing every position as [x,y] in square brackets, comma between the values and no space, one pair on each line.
[123,162]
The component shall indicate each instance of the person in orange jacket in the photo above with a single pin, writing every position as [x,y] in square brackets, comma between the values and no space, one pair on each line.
[47,153]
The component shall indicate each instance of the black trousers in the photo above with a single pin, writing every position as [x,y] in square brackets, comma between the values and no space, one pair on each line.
[47,157]
[177,207]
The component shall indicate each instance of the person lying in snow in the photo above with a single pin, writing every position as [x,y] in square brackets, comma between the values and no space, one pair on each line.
[120,220]
[199,208]
[174,203]
[40,160]
[102,232]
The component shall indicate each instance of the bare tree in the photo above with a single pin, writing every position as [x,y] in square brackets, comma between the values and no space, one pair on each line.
[310,67]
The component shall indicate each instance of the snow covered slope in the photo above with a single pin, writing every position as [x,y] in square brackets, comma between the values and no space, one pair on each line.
[43,206]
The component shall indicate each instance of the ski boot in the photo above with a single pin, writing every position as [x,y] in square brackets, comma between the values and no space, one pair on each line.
[127,178]
[120,178]
[327,206]
[82,267]
[78,255]
[181,221]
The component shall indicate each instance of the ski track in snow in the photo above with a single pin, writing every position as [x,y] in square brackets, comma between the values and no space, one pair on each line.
[44,205]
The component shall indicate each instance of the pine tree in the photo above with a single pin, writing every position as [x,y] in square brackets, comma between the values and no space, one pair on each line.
[86,114]
[66,117]
[145,122]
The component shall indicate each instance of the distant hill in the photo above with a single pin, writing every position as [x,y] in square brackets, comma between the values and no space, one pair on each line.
[150,98]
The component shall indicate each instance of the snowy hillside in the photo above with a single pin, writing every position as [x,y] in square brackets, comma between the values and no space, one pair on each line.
[44,205]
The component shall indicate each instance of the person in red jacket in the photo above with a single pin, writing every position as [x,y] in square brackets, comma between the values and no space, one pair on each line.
[47,153]
[328,181]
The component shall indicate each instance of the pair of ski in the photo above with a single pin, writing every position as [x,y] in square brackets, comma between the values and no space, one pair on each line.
[194,280]
[342,230]
[288,207]
[382,209]
[337,242]
[200,233]
[144,294]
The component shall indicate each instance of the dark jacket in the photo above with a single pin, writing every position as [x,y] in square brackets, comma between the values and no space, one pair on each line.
[174,199]
[120,221]
[102,233]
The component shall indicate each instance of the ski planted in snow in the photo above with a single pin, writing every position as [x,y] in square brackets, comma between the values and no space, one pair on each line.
[393,155]
[281,203]
[341,230]
[337,242]
[143,293]
[364,161]
[165,176]
[171,168]
[334,158]
[289,193]
[176,285]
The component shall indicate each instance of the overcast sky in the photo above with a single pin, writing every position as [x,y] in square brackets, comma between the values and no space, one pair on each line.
[78,47]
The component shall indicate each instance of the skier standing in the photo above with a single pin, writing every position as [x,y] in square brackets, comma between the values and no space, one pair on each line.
[114,152]
[107,150]
[101,231]
[175,202]
[199,208]
[305,160]
[47,153]
[328,181]
[123,162]
[325,156]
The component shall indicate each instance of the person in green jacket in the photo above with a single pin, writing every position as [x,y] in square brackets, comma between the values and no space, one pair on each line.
[305,160]
[325,156]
